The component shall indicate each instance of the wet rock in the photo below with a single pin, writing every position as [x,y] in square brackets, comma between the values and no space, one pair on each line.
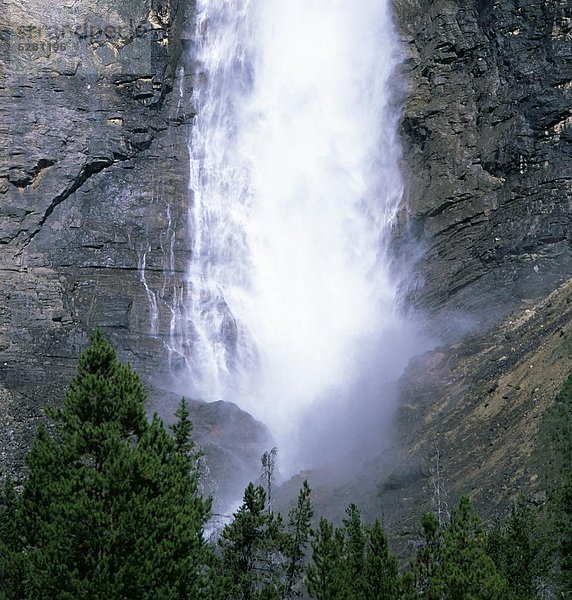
[488,166]
[93,178]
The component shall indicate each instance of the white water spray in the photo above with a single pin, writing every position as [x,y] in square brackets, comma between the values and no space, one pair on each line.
[294,186]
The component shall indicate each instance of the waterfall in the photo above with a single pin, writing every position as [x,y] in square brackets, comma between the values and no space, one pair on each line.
[294,185]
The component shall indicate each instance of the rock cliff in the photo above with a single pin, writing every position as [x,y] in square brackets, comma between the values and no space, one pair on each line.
[92,180]
[487,132]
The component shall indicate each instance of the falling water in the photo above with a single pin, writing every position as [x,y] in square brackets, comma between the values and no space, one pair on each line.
[293,189]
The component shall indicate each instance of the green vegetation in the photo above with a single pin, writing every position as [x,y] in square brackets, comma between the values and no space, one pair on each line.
[555,437]
[110,509]
[563,529]
[555,440]
[517,548]
[352,561]
[453,561]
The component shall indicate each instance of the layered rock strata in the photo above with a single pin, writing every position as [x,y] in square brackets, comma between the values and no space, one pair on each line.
[487,135]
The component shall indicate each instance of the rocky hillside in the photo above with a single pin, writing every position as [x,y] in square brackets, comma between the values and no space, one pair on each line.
[487,132]
[477,406]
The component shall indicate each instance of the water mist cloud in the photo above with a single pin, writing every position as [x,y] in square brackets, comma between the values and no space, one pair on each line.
[318,136]
[291,308]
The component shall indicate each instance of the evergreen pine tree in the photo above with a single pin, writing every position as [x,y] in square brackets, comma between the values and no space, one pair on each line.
[555,452]
[251,560]
[352,562]
[466,571]
[295,542]
[11,544]
[354,551]
[326,575]
[561,417]
[453,563]
[515,545]
[422,581]
[563,534]
[110,508]
[381,579]
[182,430]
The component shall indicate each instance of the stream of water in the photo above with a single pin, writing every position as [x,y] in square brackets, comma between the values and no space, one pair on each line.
[293,190]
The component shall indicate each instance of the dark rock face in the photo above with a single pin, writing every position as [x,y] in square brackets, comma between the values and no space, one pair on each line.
[487,132]
[92,182]
[78,183]
[231,440]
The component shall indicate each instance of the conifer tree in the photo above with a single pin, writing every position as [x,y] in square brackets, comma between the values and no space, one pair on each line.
[295,542]
[182,430]
[467,571]
[516,545]
[422,580]
[110,508]
[453,564]
[326,575]
[10,543]
[354,550]
[381,580]
[352,562]
[555,447]
[250,550]
[562,533]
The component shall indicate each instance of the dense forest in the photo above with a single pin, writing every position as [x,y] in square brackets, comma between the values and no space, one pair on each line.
[111,508]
